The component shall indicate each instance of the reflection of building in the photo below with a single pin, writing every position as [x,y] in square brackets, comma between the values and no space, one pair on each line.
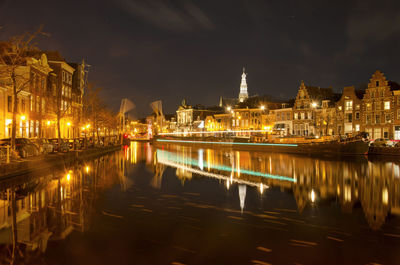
[313,181]
[50,207]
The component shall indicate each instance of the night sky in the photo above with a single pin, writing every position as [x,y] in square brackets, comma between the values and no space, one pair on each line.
[159,49]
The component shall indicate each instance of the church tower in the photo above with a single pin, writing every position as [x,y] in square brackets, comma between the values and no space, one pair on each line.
[243,95]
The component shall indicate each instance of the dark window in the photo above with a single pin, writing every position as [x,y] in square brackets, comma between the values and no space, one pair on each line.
[385,134]
[357,115]
[9,104]
[377,83]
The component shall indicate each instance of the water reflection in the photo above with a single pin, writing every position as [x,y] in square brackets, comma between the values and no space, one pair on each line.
[373,185]
[48,206]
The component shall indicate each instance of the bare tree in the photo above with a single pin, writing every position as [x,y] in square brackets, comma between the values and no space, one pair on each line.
[12,59]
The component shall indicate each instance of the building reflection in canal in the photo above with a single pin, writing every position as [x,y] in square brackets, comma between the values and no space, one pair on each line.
[373,185]
[48,206]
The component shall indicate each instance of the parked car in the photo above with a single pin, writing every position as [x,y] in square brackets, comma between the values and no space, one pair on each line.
[59,146]
[24,146]
[381,142]
[44,145]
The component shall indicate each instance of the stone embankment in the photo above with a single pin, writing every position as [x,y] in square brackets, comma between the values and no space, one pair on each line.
[42,162]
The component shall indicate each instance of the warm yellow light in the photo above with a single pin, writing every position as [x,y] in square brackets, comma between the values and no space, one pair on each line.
[312,196]
[68,177]
[265,128]
[87,126]
[68,124]
[23,118]
[48,123]
[87,169]
[83,128]
[228,108]
[262,107]
[314,104]
[240,117]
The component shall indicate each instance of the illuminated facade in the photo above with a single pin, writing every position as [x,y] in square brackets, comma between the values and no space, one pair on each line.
[378,106]
[349,111]
[32,101]
[308,101]
[283,124]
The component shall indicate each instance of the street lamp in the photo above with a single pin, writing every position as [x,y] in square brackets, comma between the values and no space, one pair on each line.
[262,107]
[314,104]
[228,108]
[23,118]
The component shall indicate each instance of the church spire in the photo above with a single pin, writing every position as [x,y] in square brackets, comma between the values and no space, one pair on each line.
[243,88]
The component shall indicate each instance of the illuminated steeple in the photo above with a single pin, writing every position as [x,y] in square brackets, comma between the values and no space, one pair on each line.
[243,88]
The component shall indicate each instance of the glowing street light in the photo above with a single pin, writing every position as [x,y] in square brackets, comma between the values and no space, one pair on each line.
[229,108]
[23,117]
[314,104]
[262,107]
[68,124]
[48,123]
[87,126]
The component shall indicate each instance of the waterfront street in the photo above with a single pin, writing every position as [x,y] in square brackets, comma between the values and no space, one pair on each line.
[181,205]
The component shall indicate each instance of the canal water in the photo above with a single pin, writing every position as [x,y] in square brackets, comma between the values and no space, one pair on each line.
[183,205]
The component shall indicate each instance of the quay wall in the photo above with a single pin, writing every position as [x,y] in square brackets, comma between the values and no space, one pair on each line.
[46,161]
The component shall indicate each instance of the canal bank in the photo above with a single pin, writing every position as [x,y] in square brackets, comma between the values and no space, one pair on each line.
[49,160]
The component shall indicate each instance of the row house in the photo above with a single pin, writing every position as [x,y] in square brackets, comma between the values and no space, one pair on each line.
[31,81]
[325,118]
[237,119]
[47,89]
[319,112]
[349,111]
[283,120]
[192,118]
[61,89]
[378,107]
[307,104]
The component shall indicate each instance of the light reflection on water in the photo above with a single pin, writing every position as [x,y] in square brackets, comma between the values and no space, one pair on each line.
[47,207]
[374,185]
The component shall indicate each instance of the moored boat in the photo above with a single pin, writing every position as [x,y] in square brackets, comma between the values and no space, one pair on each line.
[351,146]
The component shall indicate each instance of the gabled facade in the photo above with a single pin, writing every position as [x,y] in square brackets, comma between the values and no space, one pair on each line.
[308,101]
[349,112]
[378,108]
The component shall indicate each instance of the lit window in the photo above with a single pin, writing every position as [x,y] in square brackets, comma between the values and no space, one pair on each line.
[340,107]
[296,116]
[387,104]
[302,115]
[357,127]
[349,105]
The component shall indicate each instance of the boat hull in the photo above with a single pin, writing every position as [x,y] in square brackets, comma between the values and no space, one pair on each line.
[356,147]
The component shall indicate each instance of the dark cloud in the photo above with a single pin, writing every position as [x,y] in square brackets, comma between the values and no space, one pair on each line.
[185,16]
[163,49]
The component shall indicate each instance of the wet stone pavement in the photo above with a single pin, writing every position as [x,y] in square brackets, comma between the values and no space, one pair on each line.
[182,205]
